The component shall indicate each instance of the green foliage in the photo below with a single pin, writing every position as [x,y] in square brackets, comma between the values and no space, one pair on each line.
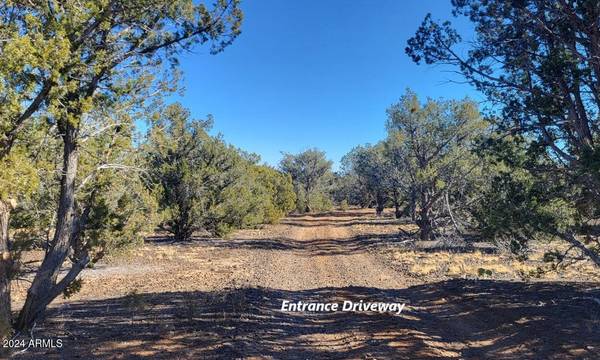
[192,170]
[369,164]
[278,191]
[347,188]
[430,149]
[371,168]
[319,201]
[312,178]
[18,177]
[73,288]
[533,60]
[33,215]
[538,68]
[481,272]
[519,203]
[260,195]
[206,185]
[119,217]
[115,207]
[344,205]
[54,55]
[88,69]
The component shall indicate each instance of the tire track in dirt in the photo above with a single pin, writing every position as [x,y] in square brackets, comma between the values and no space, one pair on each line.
[322,267]
[320,260]
[220,299]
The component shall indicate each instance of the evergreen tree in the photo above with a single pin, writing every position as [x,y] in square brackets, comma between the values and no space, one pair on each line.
[206,185]
[432,144]
[370,166]
[311,173]
[538,62]
[193,171]
[64,62]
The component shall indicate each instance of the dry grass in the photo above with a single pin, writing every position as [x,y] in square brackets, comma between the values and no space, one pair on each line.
[478,264]
[217,298]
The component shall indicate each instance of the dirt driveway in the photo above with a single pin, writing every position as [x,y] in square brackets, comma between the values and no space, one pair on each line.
[221,298]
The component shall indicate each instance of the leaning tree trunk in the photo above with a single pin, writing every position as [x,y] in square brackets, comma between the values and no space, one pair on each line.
[591,254]
[5,269]
[44,287]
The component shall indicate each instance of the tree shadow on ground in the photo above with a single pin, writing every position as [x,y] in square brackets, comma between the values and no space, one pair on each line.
[342,223]
[445,320]
[334,246]
[326,246]
[343,246]
[349,245]
[339,214]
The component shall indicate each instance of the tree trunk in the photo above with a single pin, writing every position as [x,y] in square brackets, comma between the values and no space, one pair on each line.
[182,228]
[380,204]
[413,206]
[397,211]
[5,269]
[307,191]
[182,236]
[425,222]
[425,225]
[44,287]
[571,239]
[183,232]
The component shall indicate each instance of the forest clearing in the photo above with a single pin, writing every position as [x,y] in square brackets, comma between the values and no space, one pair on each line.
[220,298]
[186,179]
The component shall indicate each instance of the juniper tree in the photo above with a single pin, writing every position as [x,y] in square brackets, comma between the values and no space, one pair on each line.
[192,169]
[348,189]
[538,61]
[260,195]
[277,192]
[311,172]
[432,144]
[519,201]
[203,184]
[64,59]
[371,168]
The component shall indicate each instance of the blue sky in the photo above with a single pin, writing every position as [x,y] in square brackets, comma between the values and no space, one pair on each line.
[314,74]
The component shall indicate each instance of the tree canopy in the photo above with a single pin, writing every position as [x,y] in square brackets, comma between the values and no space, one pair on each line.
[64,62]
[432,143]
[369,165]
[311,173]
[537,61]
[203,184]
